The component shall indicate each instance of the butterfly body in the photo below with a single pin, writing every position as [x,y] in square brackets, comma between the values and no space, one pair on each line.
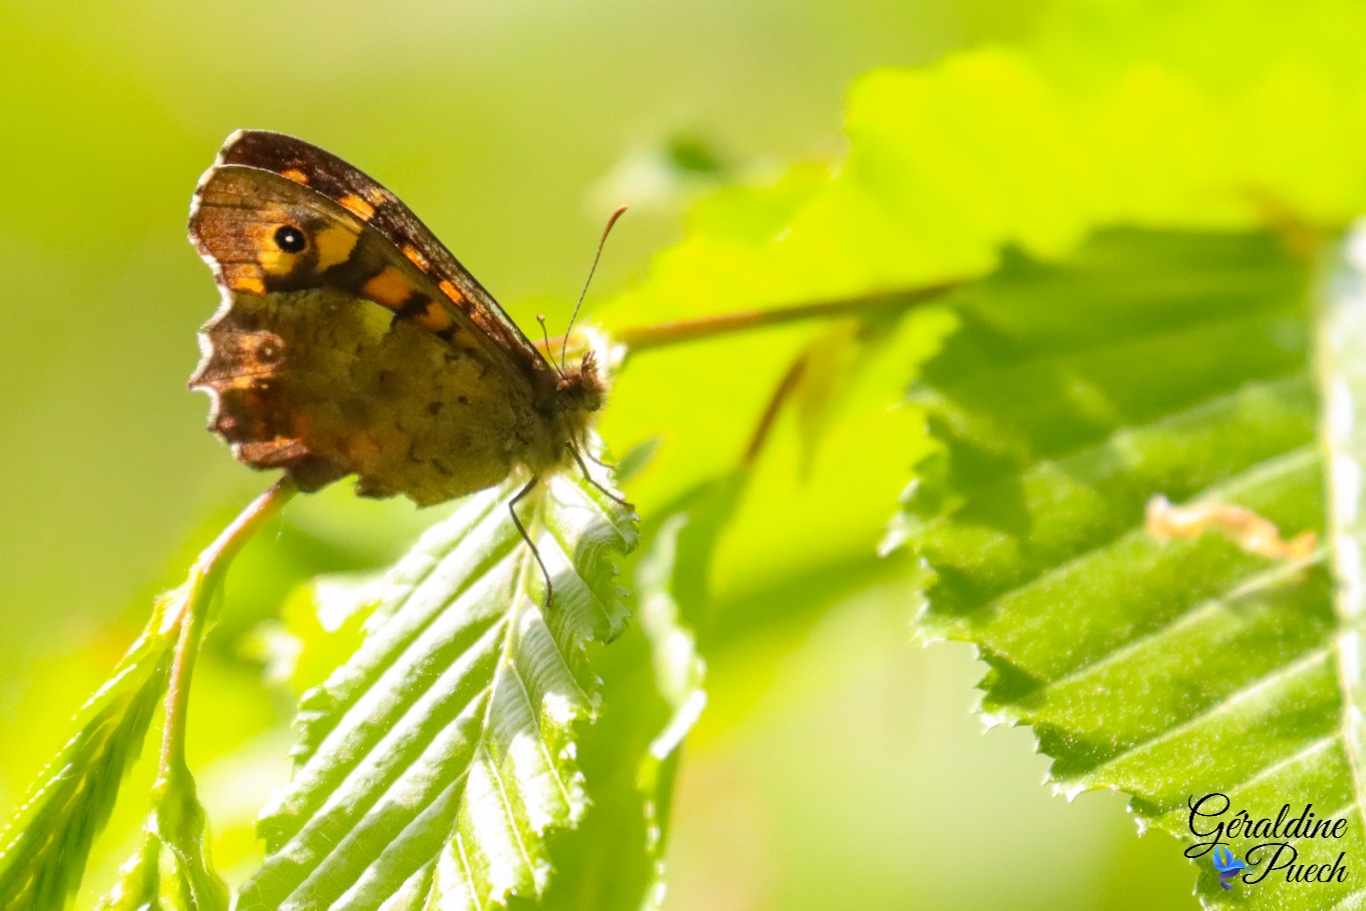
[350,341]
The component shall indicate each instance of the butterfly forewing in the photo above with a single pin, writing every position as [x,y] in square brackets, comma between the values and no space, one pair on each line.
[351,341]
[335,179]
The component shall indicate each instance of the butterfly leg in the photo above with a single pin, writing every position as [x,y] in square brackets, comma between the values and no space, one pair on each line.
[597,461]
[521,529]
[578,457]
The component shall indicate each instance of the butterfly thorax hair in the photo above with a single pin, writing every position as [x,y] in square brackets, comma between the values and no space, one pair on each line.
[569,413]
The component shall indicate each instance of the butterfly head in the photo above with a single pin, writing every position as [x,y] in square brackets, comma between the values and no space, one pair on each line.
[582,389]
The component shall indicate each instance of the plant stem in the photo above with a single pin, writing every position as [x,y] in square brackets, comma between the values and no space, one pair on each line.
[784,390]
[659,335]
[205,577]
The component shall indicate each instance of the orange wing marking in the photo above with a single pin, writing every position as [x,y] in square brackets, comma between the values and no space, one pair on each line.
[357,206]
[434,318]
[415,257]
[451,291]
[389,288]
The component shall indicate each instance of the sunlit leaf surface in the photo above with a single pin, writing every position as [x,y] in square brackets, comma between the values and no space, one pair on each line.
[431,765]
[1150,364]
[46,847]
[175,832]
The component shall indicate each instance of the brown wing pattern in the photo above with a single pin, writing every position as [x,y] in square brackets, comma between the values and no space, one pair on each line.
[434,395]
[380,209]
[264,233]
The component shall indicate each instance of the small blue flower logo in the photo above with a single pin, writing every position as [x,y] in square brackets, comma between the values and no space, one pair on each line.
[1228,866]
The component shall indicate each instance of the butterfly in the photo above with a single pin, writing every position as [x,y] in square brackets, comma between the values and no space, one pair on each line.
[351,342]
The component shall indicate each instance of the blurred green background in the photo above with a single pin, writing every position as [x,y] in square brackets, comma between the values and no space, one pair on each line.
[512,128]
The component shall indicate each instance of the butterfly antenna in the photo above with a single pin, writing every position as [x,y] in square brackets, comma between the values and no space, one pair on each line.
[611,220]
[545,337]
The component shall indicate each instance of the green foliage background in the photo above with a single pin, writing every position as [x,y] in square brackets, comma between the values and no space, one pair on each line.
[833,766]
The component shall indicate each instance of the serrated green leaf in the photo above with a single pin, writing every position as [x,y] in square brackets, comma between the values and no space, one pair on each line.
[1207,115]
[177,826]
[431,766]
[674,603]
[1151,364]
[48,842]
[652,694]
